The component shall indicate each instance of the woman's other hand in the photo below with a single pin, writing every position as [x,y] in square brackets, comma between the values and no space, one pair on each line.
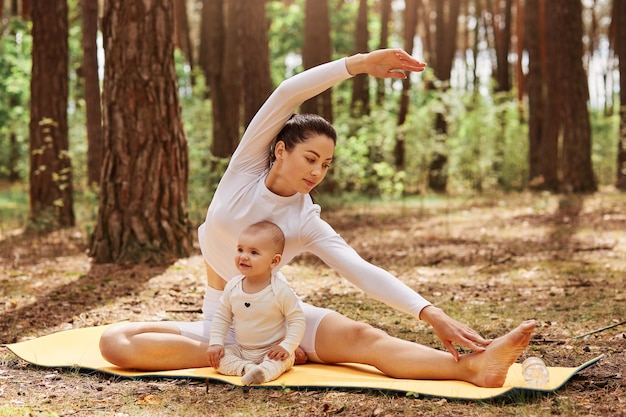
[451,331]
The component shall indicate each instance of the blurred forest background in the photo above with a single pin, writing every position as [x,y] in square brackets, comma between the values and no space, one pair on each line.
[120,115]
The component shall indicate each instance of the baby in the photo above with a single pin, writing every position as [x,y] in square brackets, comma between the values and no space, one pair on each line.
[268,320]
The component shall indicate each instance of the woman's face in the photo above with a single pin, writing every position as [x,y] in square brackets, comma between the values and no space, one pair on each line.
[304,167]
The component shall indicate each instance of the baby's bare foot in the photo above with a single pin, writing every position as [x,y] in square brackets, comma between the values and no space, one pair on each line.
[492,365]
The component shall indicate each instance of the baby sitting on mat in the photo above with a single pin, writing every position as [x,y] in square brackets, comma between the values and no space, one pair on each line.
[268,320]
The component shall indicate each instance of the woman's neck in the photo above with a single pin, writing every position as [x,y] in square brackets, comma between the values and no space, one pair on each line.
[276,184]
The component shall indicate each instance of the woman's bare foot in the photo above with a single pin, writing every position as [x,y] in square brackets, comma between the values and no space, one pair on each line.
[489,368]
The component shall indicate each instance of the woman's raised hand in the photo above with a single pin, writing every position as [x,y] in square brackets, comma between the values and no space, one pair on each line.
[384,63]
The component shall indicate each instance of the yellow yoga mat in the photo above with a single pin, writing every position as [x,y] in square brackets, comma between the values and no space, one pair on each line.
[78,348]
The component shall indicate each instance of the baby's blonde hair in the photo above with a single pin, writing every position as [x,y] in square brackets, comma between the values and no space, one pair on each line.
[274,232]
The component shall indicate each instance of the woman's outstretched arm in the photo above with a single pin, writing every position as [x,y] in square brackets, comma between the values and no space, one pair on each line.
[394,63]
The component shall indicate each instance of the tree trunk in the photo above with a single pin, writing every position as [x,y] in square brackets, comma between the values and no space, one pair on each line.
[385,17]
[51,202]
[317,50]
[26,9]
[577,169]
[445,47]
[445,37]
[13,174]
[142,214]
[232,77]
[257,81]
[519,49]
[502,38]
[410,24]
[360,83]
[207,28]
[502,35]
[181,31]
[427,33]
[534,39]
[619,16]
[13,159]
[479,30]
[224,64]
[465,45]
[95,142]
[549,146]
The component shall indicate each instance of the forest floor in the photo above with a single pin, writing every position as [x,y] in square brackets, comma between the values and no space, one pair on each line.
[490,262]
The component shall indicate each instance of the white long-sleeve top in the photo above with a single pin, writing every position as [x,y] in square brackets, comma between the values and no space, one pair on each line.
[261,319]
[242,199]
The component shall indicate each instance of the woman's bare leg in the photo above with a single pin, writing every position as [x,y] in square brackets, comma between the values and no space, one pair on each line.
[340,339]
[151,347]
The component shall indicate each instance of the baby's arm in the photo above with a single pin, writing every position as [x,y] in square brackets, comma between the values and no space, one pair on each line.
[294,317]
[215,353]
[278,353]
[220,323]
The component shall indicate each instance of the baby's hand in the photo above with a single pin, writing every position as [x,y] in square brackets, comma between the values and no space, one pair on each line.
[278,353]
[215,353]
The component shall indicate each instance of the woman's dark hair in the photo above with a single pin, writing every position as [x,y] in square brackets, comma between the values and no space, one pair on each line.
[299,128]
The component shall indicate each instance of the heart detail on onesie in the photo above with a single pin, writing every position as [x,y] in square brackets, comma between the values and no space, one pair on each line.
[246,304]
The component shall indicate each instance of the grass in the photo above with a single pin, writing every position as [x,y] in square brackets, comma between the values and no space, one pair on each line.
[11,411]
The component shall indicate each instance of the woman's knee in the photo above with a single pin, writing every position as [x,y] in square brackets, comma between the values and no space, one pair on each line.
[112,345]
[352,332]
[340,339]
[363,332]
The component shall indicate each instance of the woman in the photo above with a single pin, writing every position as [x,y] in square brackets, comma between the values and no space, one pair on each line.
[254,189]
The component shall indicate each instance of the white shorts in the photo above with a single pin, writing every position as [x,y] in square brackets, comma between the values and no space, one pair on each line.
[200,330]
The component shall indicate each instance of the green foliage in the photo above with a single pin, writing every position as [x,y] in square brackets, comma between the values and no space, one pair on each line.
[421,139]
[205,170]
[285,37]
[364,155]
[513,174]
[13,206]
[86,208]
[287,28]
[15,67]
[187,76]
[487,145]
[343,15]
[77,135]
[604,134]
